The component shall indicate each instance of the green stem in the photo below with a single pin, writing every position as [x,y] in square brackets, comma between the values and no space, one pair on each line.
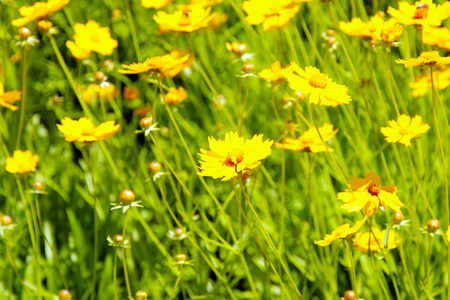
[176,283]
[125,271]
[388,76]
[244,106]
[352,269]
[24,97]
[115,274]
[133,31]
[14,267]
[38,248]
[95,254]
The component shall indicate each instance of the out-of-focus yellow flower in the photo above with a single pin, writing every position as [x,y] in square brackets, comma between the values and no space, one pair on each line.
[391,31]
[374,240]
[227,158]
[130,93]
[184,20]
[342,232]
[238,48]
[272,14]
[447,234]
[405,129]
[22,162]
[358,28]
[424,13]
[175,96]
[217,21]
[45,25]
[157,64]
[105,91]
[310,140]
[321,89]
[156,4]
[91,38]
[423,83]
[39,10]
[439,37]
[368,194]
[83,130]
[9,98]
[178,68]
[426,59]
[275,74]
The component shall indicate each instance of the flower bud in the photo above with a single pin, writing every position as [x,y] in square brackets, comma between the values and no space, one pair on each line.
[45,25]
[181,257]
[299,96]
[433,225]
[6,220]
[146,122]
[24,33]
[331,41]
[57,100]
[127,196]
[285,99]
[330,32]
[248,68]
[108,64]
[38,186]
[99,76]
[381,14]
[65,294]
[350,295]
[141,295]
[154,167]
[398,217]
[130,93]
[118,238]
[178,232]
[116,13]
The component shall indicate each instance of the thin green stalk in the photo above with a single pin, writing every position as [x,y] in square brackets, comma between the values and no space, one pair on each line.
[412,285]
[125,271]
[388,76]
[11,261]
[24,96]
[95,254]
[176,283]
[115,274]
[352,269]
[133,31]
[244,106]
[38,247]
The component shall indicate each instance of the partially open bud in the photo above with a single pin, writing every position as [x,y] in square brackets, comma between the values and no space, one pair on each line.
[65,294]
[331,41]
[24,33]
[299,96]
[127,196]
[248,68]
[99,76]
[330,32]
[350,295]
[6,220]
[154,167]
[178,232]
[141,295]
[45,25]
[398,217]
[381,14]
[118,238]
[236,48]
[38,186]
[181,257]
[433,225]
[107,63]
[146,122]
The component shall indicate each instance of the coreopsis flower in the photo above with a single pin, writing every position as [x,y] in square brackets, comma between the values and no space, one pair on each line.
[310,140]
[321,89]
[104,91]
[227,158]
[275,74]
[391,31]
[156,4]
[178,68]
[272,14]
[426,59]
[447,234]
[423,83]
[217,21]
[358,28]
[184,20]
[342,232]
[157,64]
[374,240]
[175,96]
[91,38]
[22,162]
[424,13]
[7,99]
[39,11]
[404,130]
[439,37]
[83,130]
[368,194]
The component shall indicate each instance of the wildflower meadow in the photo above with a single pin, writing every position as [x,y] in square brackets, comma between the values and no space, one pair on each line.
[224,149]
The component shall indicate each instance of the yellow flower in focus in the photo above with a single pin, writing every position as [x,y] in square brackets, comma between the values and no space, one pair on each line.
[358,28]
[368,194]
[227,158]
[424,13]
[405,129]
[158,64]
[178,68]
[105,91]
[423,83]
[426,59]
[275,74]
[376,238]
[39,10]
[9,98]
[342,232]
[272,14]
[83,130]
[184,20]
[310,140]
[156,4]
[439,37]
[175,96]
[91,38]
[22,162]
[321,89]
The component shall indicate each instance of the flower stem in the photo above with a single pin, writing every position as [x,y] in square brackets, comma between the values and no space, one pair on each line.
[24,97]
[352,269]
[95,254]
[176,283]
[244,106]
[125,271]
[115,274]
[133,31]
[388,76]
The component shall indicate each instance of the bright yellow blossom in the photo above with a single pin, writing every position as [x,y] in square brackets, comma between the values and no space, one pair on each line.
[39,11]
[83,130]
[22,162]
[184,20]
[424,13]
[405,129]
[425,60]
[156,4]
[227,158]
[368,194]
[391,31]
[447,234]
[321,89]
[358,28]
[310,140]
[272,14]
[9,98]
[157,64]
[423,83]
[105,91]
[439,37]
[179,67]
[376,238]
[91,38]
[275,74]
[175,96]
[342,232]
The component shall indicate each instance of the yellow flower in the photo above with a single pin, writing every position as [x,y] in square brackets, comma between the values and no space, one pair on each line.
[45,25]
[227,158]
[321,89]
[272,14]
[184,20]
[447,234]
[368,194]
[83,130]
[426,59]
[439,37]
[424,13]
[177,54]
[423,83]
[358,28]
[157,4]
[275,74]
[9,98]
[310,140]
[39,10]
[155,64]
[404,129]
[342,232]
[91,38]
[104,90]
[376,238]
[22,162]
[391,31]
[175,96]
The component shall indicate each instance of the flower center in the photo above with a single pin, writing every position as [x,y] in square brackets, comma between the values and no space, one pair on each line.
[185,20]
[95,38]
[318,80]
[421,12]
[87,131]
[374,190]
[234,157]
[404,130]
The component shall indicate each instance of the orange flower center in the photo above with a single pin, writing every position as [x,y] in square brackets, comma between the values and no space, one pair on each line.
[319,80]
[185,20]
[404,130]
[234,157]
[421,12]
[87,131]
[374,190]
